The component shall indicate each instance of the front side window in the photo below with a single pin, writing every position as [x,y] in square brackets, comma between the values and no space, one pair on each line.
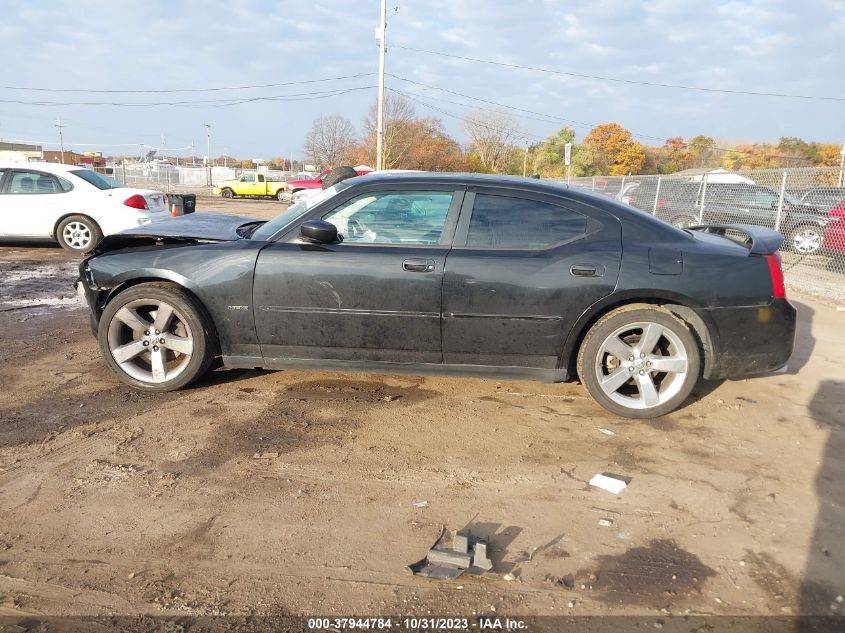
[2,173]
[506,222]
[248,178]
[32,182]
[393,217]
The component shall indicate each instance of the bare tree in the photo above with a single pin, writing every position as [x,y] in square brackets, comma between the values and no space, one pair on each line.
[492,136]
[330,140]
[399,118]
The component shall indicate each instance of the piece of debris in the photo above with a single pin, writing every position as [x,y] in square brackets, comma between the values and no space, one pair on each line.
[606,522]
[610,482]
[509,577]
[568,581]
[420,504]
[571,604]
[468,553]
[607,432]
[266,455]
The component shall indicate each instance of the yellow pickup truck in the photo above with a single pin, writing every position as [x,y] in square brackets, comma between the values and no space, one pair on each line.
[251,184]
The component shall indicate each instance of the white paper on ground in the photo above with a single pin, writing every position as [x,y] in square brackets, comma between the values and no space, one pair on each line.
[610,484]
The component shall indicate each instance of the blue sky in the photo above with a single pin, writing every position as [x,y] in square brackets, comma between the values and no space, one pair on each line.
[756,45]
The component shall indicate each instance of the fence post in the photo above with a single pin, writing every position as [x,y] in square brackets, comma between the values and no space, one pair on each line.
[780,202]
[622,186]
[656,196]
[703,195]
[594,183]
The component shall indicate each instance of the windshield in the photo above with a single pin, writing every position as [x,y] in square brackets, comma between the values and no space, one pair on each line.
[295,211]
[98,180]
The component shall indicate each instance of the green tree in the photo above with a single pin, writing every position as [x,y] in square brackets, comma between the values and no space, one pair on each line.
[701,148]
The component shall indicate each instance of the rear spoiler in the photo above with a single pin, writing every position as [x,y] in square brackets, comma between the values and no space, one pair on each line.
[757,239]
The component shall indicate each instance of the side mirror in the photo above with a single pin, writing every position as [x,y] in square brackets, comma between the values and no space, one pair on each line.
[319,231]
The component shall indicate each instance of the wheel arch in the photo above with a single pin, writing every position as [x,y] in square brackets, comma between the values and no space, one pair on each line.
[167,277]
[65,216]
[680,306]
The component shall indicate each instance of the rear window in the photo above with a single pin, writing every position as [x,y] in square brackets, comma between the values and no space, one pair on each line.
[92,177]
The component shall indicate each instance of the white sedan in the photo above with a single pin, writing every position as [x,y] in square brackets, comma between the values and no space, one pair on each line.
[73,205]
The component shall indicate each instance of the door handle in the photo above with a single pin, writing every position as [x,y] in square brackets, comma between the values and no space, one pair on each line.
[586,270]
[418,265]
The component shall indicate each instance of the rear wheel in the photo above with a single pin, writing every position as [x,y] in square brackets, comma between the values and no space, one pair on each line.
[227,193]
[156,337]
[805,240]
[639,362]
[78,234]
[280,195]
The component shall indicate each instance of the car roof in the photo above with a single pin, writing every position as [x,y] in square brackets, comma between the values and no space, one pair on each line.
[53,168]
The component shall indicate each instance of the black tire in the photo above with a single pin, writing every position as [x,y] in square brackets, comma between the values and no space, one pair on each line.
[188,313]
[78,234]
[227,193]
[683,221]
[805,239]
[671,388]
[337,175]
[280,195]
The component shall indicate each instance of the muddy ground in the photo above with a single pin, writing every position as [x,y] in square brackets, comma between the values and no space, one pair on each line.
[294,492]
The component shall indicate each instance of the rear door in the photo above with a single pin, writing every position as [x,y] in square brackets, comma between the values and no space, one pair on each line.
[523,268]
[376,295]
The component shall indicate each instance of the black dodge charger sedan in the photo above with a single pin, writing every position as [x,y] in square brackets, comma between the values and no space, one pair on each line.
[448,273]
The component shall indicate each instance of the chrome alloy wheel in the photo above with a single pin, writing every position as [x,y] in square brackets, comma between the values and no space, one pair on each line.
[641,365]
[150,340]
[77,235]
[807,240]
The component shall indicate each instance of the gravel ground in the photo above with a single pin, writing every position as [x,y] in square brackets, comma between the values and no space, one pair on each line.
[294,492]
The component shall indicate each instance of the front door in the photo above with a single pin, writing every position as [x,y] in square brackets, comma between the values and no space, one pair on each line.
[30,203]
[375,296]
[522,270]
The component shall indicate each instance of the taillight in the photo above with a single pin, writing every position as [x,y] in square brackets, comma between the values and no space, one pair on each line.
[136,202]
[776,273]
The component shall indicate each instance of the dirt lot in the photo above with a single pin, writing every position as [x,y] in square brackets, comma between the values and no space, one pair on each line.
[293,492]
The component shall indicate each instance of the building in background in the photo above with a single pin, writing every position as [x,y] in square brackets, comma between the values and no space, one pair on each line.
[20,152]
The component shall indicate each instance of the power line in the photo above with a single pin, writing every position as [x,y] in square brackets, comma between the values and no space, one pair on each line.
[302,96]
[652,84]
[174,90]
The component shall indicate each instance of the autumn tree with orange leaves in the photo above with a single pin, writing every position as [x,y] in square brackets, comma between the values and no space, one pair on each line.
[615,152]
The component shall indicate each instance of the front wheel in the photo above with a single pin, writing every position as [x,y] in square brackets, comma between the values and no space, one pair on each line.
[78,234]
[805,240]
[227,193]
[639,362]
[156,337]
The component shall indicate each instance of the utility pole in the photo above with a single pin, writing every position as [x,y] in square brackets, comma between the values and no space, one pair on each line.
[380,34]
[225,156]
[208,149]
[60,124]
[842,165]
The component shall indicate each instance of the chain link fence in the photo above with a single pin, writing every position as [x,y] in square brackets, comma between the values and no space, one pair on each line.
[806,205]
[182,178]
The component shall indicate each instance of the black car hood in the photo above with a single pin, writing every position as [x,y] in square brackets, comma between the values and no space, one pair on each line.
[203,226]
[184,229]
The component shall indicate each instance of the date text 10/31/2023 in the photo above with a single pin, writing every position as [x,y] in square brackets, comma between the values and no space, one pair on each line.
[418,624]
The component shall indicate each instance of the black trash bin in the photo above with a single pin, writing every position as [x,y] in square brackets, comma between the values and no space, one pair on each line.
[189,203]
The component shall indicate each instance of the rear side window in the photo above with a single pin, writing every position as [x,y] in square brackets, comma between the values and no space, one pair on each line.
[100,182]
[2,173]
[506,222]
[32,182]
